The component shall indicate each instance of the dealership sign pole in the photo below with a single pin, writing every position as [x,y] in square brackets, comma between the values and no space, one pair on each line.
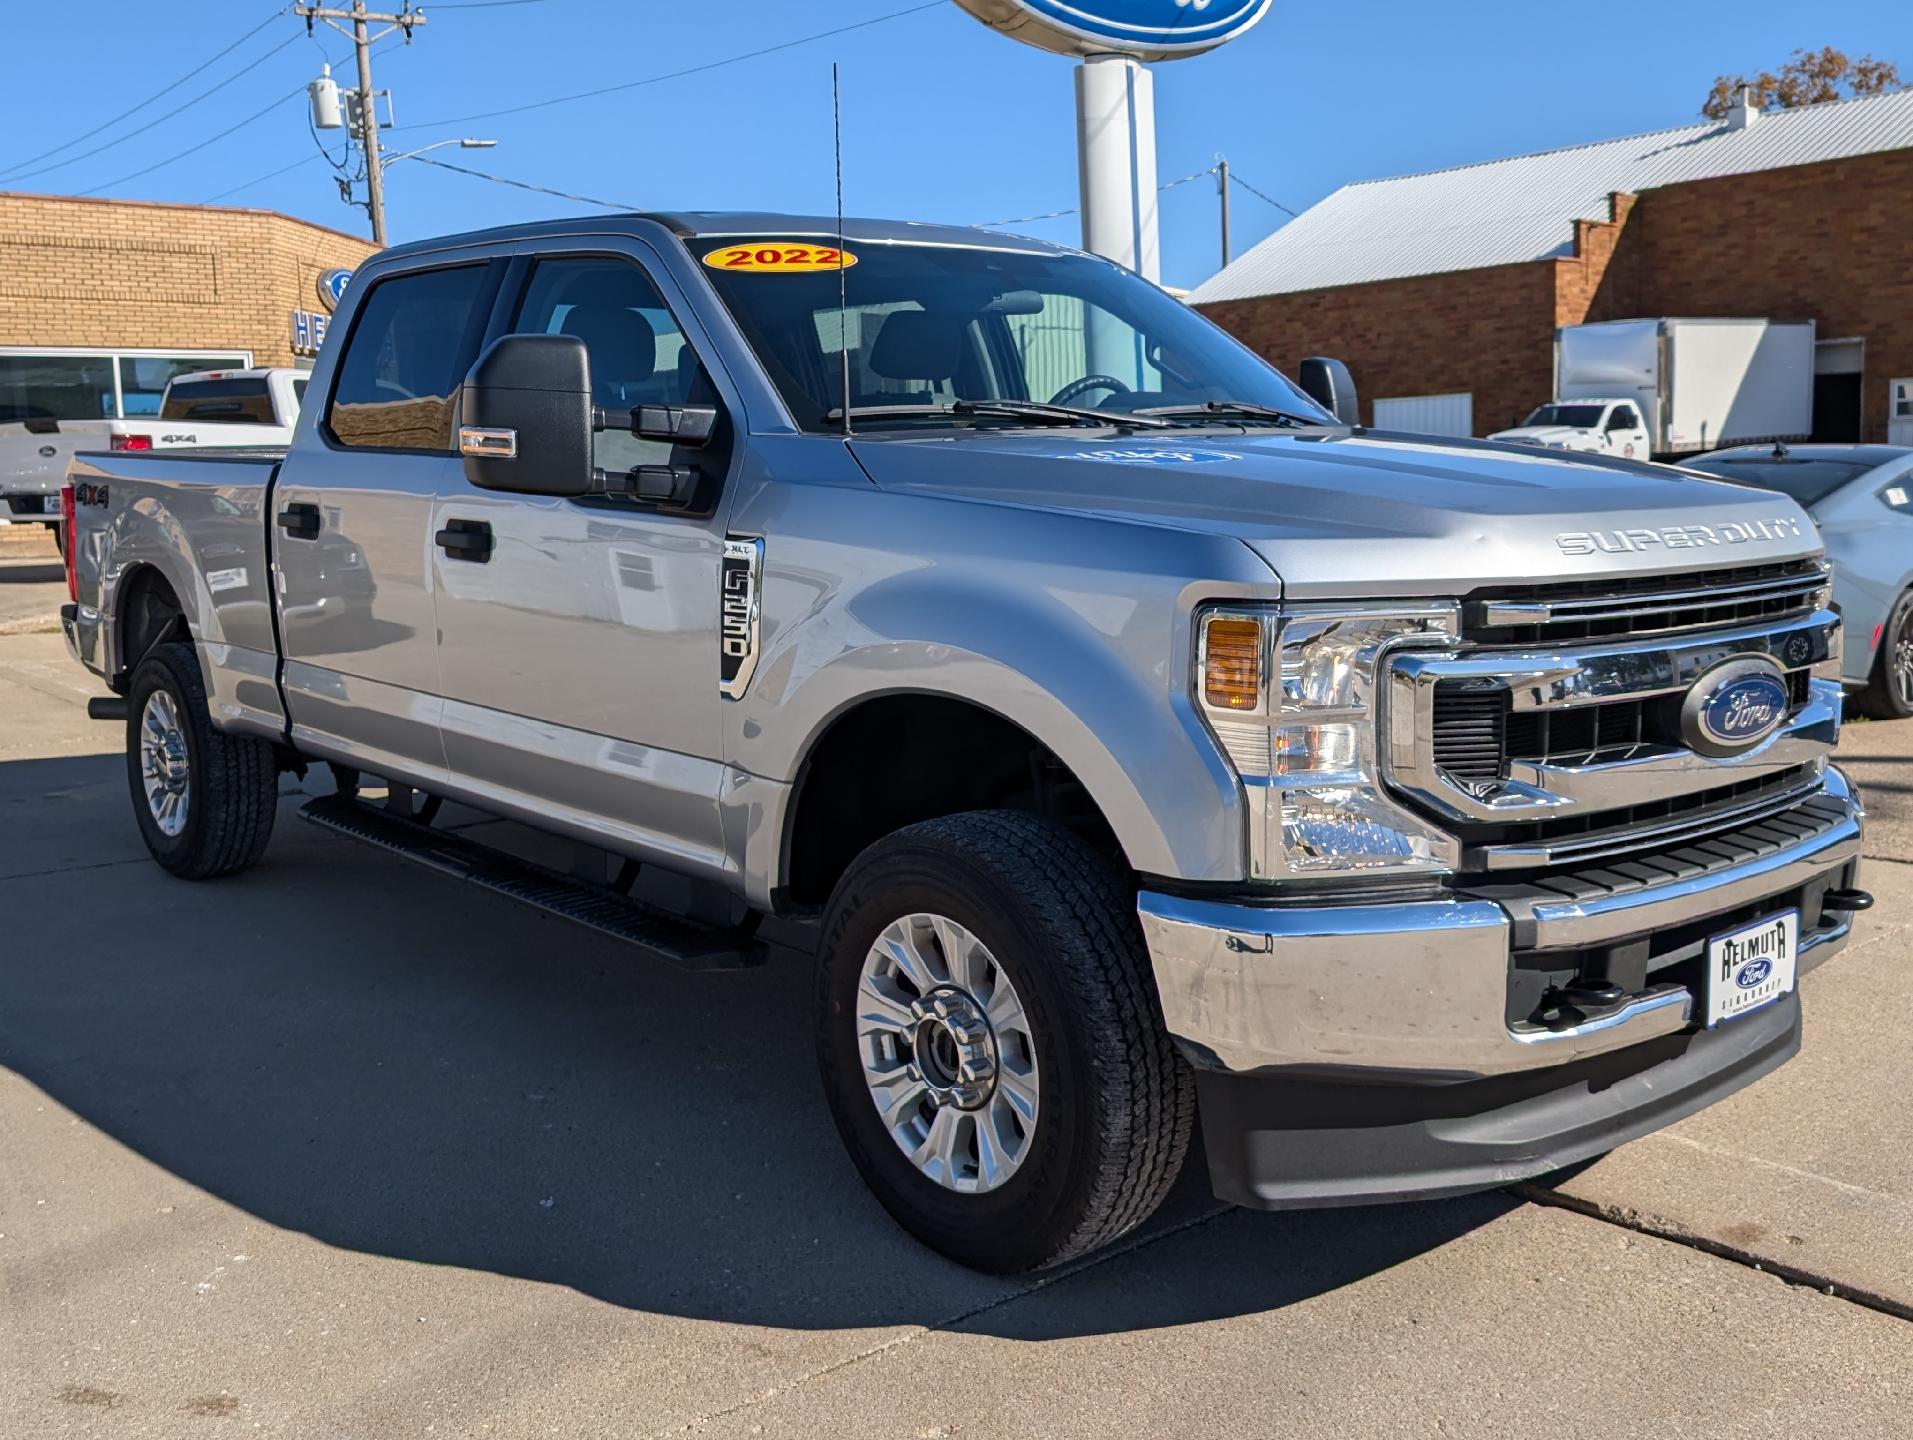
[1115,96]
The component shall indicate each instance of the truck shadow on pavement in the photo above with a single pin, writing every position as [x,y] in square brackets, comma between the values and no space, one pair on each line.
[376,1057]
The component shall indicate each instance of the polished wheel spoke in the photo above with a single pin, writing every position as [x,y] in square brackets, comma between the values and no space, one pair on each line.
[163,763]
[948,1055]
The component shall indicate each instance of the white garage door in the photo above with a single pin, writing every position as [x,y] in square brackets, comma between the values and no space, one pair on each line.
[1427,414]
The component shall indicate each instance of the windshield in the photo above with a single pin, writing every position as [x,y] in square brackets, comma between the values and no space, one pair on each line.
[936,325]
[1807,481]
[1577,417]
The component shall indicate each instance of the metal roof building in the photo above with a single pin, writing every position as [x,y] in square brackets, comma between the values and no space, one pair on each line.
[1446,291]
[1501,212]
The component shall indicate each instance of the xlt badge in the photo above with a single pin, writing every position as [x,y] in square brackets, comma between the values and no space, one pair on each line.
[743,571]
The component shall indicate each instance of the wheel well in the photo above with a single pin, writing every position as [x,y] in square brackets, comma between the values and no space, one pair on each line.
[896,760]
[149,611]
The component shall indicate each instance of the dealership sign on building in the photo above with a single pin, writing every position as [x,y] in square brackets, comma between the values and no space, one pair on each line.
[309,326]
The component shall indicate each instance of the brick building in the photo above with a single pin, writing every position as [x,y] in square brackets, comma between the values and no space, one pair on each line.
[1444,291]
[102,301]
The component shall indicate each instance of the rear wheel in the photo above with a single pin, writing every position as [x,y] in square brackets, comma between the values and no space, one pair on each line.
[1889,693]
[205,801]
[991,1042]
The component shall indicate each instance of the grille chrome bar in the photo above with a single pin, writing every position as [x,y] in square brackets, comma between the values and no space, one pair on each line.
[1632,839]
[1575,613]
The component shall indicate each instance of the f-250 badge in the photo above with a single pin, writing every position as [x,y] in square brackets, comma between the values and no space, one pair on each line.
[742,573]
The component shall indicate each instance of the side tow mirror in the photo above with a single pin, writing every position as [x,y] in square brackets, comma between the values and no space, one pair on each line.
[525,416]
[1326,381]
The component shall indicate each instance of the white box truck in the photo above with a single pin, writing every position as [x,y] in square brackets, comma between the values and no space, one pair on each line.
[1700,384]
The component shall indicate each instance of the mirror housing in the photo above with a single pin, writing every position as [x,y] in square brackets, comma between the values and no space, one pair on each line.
[525,416]
[675,424]
[1326,381]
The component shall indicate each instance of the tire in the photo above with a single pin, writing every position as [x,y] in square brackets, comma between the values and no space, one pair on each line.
[230,795]
[1889,691]
[1113,1102]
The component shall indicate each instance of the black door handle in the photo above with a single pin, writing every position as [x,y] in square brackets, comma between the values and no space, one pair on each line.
[465,540]
[301,522]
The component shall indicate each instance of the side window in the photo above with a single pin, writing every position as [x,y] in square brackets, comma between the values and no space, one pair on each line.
[1624,418]
[398,379]
[638,353]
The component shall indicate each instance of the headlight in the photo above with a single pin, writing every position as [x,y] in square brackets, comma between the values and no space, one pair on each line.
[1291,695]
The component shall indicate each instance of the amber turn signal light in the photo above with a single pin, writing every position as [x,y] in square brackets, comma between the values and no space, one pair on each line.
[1232,663]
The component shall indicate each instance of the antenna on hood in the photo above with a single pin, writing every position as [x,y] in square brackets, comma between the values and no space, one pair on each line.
[843,283]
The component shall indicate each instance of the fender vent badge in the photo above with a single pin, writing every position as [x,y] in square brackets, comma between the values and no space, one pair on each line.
[743,572]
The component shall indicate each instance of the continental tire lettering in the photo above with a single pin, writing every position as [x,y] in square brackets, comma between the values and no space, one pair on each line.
[739,579]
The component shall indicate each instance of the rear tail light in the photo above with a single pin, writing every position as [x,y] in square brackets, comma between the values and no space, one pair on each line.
[66,524]
[132,442]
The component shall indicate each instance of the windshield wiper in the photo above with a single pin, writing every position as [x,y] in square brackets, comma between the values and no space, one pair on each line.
[1234,409]
[1009,409]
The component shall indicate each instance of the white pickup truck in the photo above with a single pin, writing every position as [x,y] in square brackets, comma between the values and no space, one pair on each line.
[1587,427]
[211,409]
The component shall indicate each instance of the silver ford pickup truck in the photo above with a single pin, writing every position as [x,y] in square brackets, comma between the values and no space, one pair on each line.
[1130,738]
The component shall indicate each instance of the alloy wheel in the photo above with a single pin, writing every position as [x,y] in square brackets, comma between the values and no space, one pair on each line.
[947,1053]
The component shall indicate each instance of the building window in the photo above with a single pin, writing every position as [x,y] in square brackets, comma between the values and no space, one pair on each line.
[56,387]
[48,384]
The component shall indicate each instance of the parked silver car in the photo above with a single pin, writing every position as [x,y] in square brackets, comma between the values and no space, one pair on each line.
[1861,496]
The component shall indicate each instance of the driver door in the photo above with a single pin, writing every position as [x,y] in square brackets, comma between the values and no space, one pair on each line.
[579,657]
[1626,435]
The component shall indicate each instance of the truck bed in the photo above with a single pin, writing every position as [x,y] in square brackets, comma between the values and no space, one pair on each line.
[199,521]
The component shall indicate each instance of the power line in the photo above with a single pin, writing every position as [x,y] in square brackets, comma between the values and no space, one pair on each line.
[158,119]
[261,179]
[1059,214]
[163,90]
[1260,196]
[527,185]
[477,4]
[671,75]
[179,155]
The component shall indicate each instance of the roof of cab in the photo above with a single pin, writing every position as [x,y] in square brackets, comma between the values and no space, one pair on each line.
[700,224]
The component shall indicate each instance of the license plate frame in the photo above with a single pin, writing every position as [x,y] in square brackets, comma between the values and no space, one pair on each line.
[1737,984]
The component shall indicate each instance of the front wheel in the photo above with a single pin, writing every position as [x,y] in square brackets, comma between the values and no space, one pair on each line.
[991,1042]
[205,801]
[1889,693]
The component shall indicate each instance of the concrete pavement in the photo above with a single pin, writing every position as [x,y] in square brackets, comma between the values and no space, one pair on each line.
[337,1148]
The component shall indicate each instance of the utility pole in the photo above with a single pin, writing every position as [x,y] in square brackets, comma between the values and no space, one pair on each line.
[362,41]
[1222,189]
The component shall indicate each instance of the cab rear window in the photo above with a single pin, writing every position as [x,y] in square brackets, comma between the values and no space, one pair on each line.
[235,402]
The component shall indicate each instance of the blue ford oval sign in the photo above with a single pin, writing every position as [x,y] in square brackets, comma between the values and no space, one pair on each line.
[1147,29]
[332,285]
[1754,972]
[1734,706]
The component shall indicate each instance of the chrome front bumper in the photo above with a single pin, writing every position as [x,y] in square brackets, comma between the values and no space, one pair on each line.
[1419,989]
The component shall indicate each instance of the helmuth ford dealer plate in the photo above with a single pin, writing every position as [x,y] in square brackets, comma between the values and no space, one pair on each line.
[1752,966]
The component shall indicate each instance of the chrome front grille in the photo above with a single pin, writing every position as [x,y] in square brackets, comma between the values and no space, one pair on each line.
[1542,757]
[1576,612]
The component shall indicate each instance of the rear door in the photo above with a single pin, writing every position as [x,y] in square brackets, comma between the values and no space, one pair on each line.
[579,659]
[353,516]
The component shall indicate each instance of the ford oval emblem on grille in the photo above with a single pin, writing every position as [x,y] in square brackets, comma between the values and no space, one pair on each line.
[1734,706]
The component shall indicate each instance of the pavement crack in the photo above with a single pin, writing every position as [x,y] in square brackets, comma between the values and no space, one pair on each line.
[1886,859]
[1663,1229]
[910,1337]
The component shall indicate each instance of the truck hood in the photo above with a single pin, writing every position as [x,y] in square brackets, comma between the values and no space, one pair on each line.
[1547,435]
[1364,515]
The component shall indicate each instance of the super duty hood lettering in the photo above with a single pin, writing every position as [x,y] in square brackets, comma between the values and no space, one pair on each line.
[1680,537]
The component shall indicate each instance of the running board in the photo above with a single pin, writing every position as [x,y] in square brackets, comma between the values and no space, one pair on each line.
[691,944]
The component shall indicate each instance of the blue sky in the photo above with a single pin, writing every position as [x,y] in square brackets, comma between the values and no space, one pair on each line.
[942,119]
